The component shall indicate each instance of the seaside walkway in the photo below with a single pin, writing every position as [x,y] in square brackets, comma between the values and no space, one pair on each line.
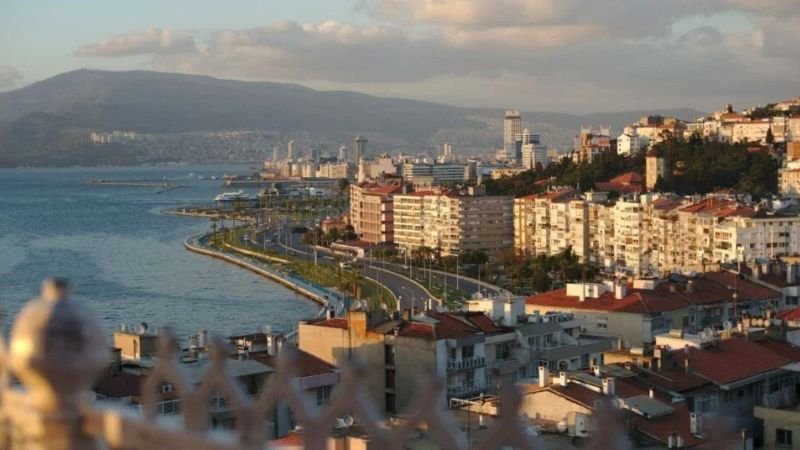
[328,298]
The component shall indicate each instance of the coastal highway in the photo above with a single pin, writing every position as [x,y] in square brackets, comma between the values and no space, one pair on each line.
[387,273]
[407,292]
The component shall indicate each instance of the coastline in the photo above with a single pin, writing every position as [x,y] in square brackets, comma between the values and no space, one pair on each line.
[315,294]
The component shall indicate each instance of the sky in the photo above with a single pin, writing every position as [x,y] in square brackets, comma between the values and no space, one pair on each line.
[572,56]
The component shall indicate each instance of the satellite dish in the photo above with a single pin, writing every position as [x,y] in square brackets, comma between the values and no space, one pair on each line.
[728,325]
[348,421]
[709,333]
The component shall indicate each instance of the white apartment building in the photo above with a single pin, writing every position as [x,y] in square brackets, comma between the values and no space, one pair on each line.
[629,144]
[375,167]
[651,234]
[423,174]
[454,221]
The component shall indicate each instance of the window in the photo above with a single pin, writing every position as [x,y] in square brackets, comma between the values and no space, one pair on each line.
[602,324]
[467,352]
[388,354]
[503,350]
[706,403]
[391,403]
[324,395]
[389,379]
[166,388]
[783,437]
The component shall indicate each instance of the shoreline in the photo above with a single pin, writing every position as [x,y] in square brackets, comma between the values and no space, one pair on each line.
[321,298]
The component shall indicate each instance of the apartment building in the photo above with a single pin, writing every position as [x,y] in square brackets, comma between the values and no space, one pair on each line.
[371,210]
[639,311]
[467,349]
[424,174]
[455,221]
[652,233]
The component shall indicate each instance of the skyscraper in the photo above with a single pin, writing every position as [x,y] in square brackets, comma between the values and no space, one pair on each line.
[275,151]
[359,148]
[512,135]
[447,152]
[342,153]
[290,150]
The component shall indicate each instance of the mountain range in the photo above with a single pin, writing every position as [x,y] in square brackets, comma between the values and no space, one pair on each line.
[47,122]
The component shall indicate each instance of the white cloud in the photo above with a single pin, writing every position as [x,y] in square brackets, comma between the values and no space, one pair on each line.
[9,76]
[629,53]
[151,41]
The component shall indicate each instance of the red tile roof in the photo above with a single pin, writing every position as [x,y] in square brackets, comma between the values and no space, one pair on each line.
[732,360]
[789,314]
[306,364]
[627,179]
[119,385]
[672,378]
[782,348]
[709,288]
[636,302]
[336,322]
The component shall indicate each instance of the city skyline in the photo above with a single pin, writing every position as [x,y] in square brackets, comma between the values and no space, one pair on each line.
[670,54]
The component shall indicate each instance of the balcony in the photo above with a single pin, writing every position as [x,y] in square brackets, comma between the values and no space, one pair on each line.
[466,363]
[465,389]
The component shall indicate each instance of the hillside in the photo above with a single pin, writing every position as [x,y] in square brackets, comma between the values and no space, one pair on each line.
[154,102]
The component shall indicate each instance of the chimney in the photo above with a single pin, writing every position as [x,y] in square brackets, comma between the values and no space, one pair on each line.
[686,367]
[357,323]
[407,314]
[562,379]
[596,371]
[690,286]
[329,313]
[609,386]
[620,290]
[651,393]
[757,271]
[696,423]
[544,376]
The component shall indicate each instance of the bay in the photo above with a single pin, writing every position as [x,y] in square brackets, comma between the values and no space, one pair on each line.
[125,257]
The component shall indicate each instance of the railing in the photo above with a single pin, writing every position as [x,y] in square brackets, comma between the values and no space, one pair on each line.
[465,389]
[466,363]
[58,348]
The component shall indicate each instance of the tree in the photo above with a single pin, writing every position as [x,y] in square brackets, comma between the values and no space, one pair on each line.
[343,185]
[769,138]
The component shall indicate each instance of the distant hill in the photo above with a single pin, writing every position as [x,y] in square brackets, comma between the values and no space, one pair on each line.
[42,118]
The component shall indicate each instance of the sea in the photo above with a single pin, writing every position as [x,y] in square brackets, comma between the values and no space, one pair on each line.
[125,257]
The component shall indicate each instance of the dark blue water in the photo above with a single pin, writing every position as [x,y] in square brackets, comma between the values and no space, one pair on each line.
[124,256]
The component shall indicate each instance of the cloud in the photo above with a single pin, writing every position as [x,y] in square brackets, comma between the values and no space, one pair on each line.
[154,41]
[537,54]
[9,76]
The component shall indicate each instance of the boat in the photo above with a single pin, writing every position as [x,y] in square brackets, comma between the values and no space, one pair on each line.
[239,195]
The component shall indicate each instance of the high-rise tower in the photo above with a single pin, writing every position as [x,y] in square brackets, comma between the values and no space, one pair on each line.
[359,148]
[512,135]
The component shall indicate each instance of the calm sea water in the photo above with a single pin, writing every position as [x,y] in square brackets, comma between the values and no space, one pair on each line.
[124,256]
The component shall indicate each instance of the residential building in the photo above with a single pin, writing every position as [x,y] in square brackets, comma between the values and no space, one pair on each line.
[455,221]
[638,312]
[533,152]
[655,168]
[628,144]
[432,174]
[591,143]
[374,168]
[466,349]
[372,210]
[251,364]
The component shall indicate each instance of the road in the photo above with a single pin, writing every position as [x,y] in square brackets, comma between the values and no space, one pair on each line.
[409,293]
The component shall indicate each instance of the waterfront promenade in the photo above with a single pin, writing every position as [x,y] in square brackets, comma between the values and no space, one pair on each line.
[260,264]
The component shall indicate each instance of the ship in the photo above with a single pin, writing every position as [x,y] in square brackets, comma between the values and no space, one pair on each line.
[239,195]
